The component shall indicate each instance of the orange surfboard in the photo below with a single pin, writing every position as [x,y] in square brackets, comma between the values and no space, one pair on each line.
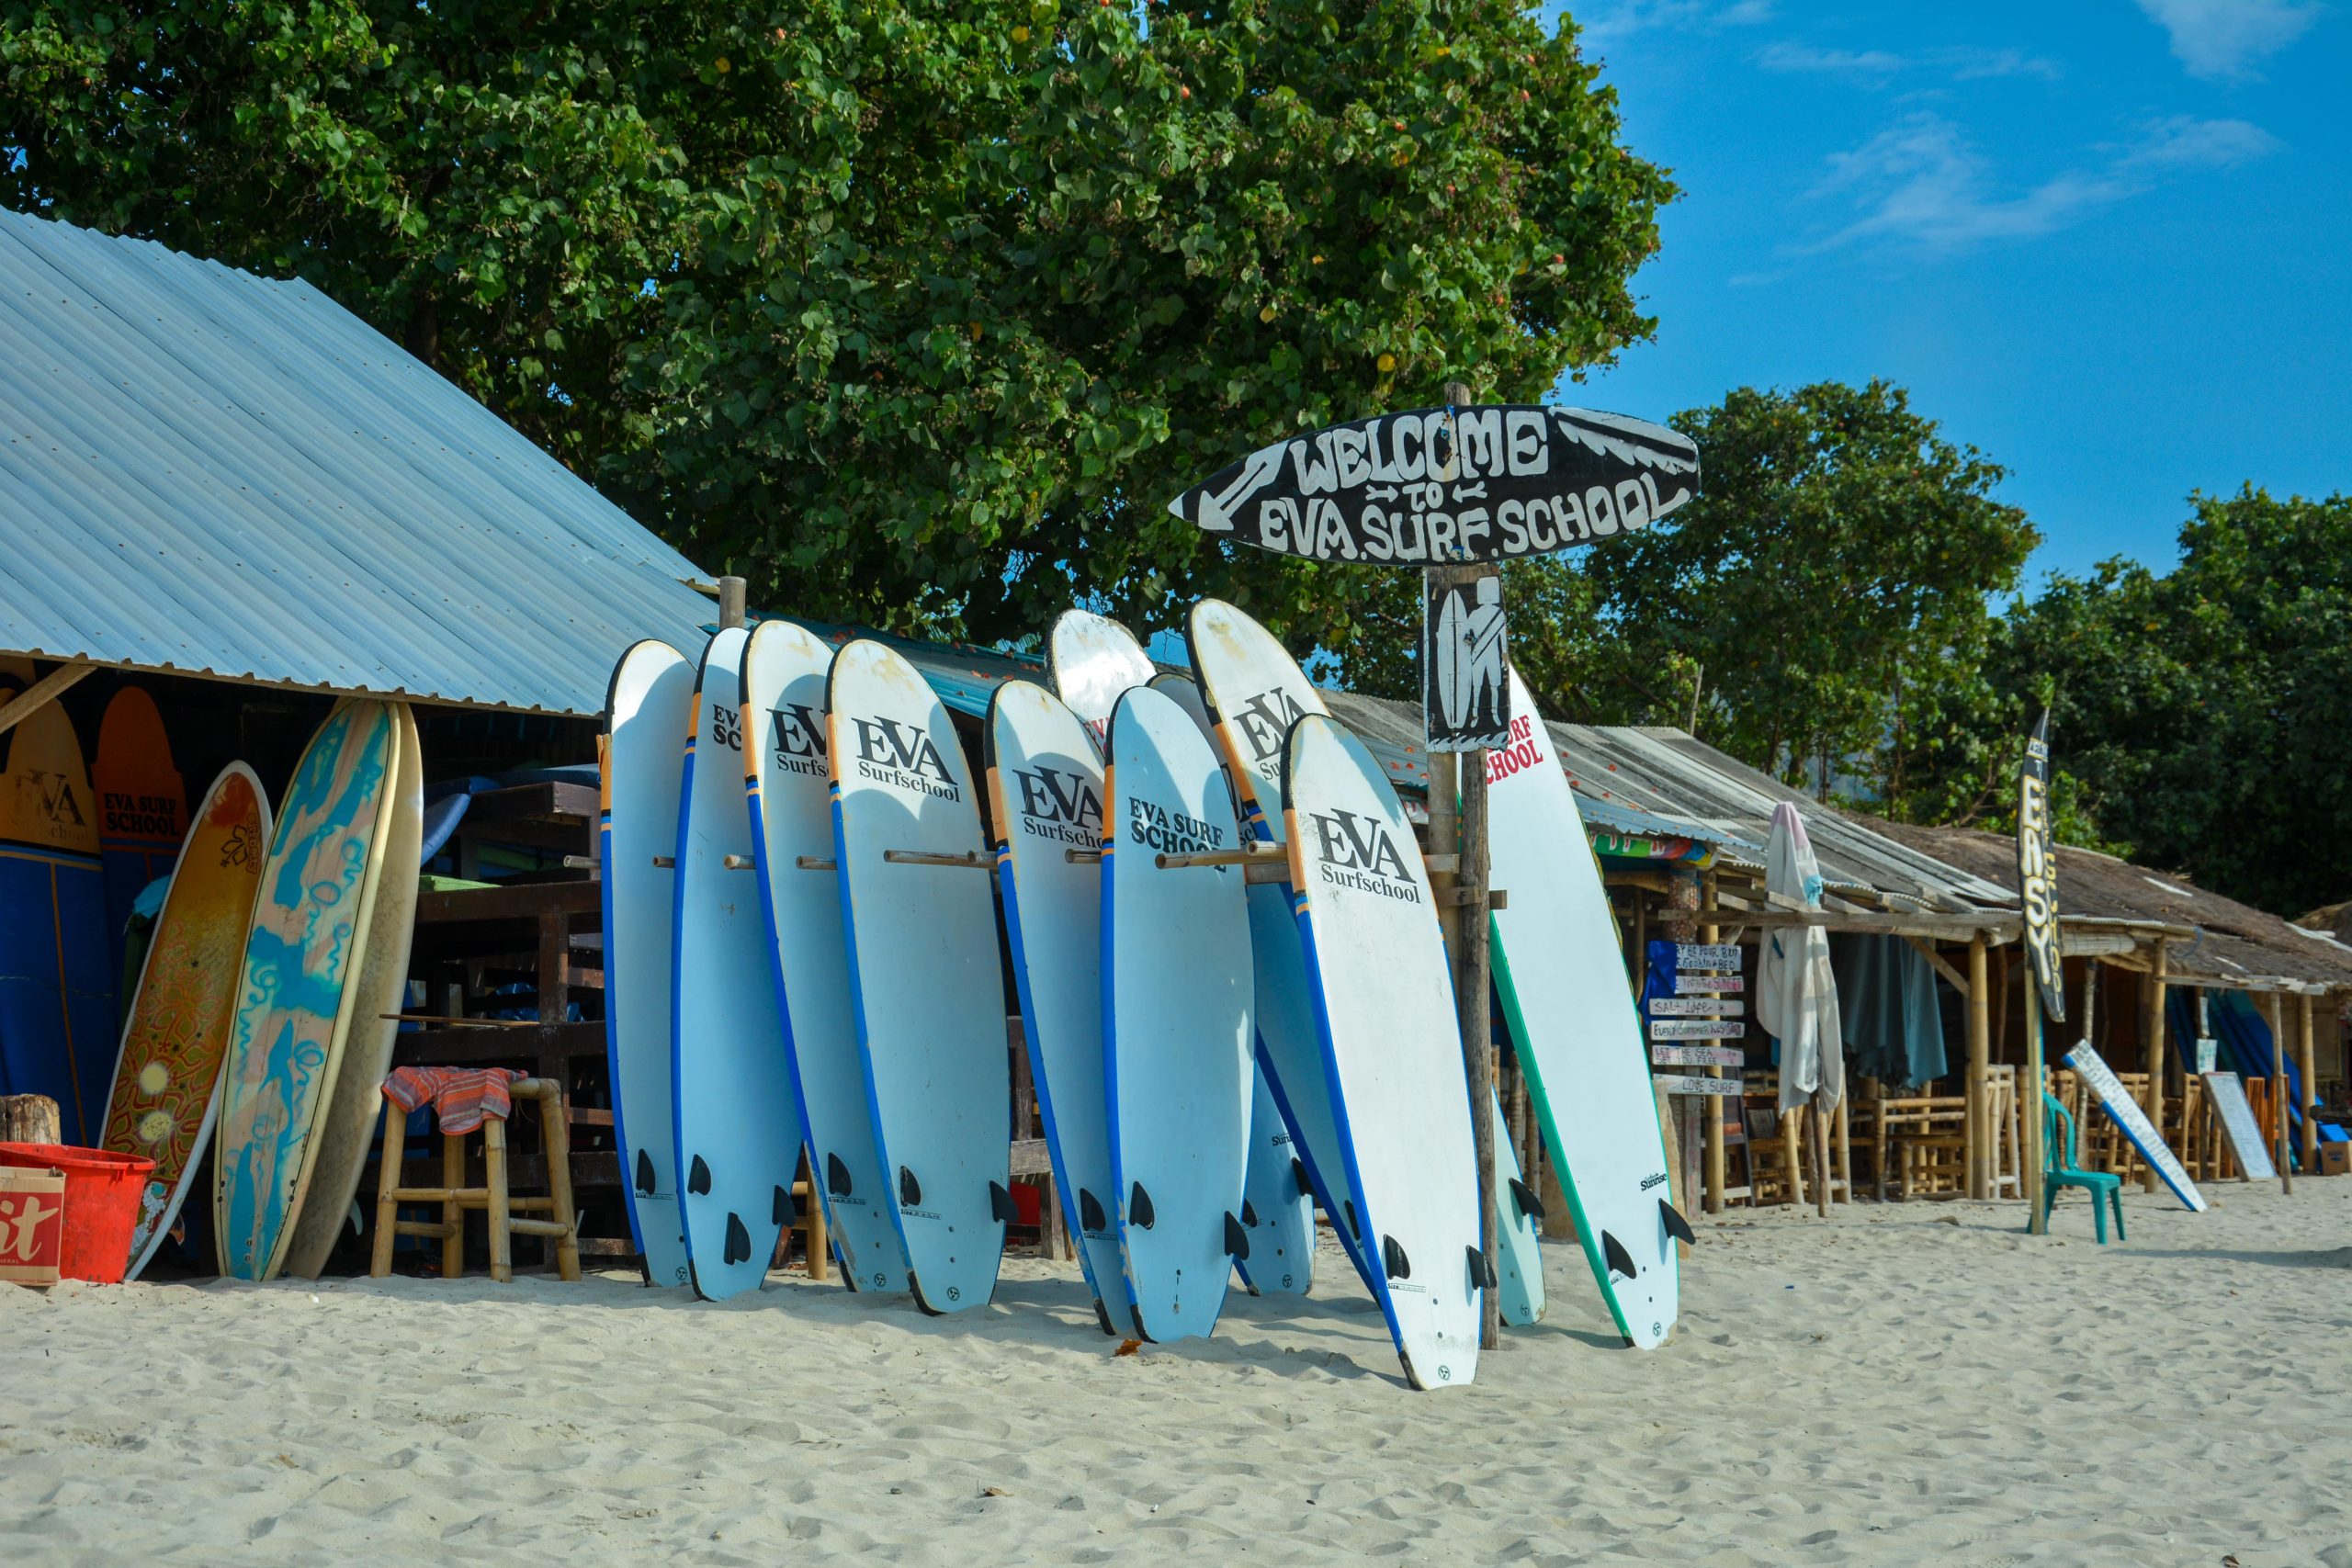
[167,1079]
[143,805]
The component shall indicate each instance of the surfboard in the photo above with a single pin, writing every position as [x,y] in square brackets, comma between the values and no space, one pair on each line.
[1046,801]
[1177,1018]
[785,667]
[58,1024]
[2133,1123]
[348,1122]
[167,1074]
[1255,691]
[735,1117]
[641,773]
[1277,1207]
[1382,992]
[1094,661]
[924,969]
[294,989]
[1519,1223]
[143,805]
[1560,970]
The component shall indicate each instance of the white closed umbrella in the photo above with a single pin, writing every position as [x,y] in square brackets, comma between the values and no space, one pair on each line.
[1796,994]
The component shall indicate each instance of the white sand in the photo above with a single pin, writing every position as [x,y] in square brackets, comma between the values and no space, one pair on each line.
[1903,1383]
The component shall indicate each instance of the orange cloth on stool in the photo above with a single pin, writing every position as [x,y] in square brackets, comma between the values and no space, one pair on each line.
[461,1097]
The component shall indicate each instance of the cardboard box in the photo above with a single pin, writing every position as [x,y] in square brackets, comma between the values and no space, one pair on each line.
[2335,1159]
[32,1225]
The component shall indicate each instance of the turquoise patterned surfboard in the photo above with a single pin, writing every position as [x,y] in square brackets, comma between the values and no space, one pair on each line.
[294,995]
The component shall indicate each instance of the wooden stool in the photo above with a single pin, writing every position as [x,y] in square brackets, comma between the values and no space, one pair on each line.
[491,1198]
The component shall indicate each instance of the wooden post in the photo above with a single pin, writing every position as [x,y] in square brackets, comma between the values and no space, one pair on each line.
[2275,1016]
[1711,1188]
[493,1163]
[2151,1024]
[2029,1087]
[1980,1070]
[453,1213]
[30,1118]
[41,694]
[2306,1055]
[731,601]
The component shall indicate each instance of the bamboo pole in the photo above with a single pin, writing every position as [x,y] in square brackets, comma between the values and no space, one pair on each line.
[2306,1055]
[2274,1015]
[1711,1188]
[2030,1083]
[731,601]
[1980,1068]
[2151,1025]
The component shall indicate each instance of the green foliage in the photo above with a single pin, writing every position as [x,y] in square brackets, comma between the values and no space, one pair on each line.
[2196,707]
[915,311]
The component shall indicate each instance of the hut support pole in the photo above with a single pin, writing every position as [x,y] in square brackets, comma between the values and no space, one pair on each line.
[1980,1068]
[2275,1015]
[2151,1013]
[2305,1053]
[1714,1187]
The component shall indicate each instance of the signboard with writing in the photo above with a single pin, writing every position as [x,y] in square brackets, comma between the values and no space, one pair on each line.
[2238,1123]
[1484,481]
[1708,955]
[1674,1083]
[1698,1056]
[1465,689]
[1717,983]
[1696,1007]
[2038,871]
[2132,1122]
[1697,1028]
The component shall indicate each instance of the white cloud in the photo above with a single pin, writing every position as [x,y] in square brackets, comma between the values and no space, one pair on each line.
[1875,64]
[2223,41]
[1604,24]
[1965,62]
[1920,182]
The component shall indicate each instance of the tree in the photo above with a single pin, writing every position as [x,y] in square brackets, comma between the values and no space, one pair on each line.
[2198,707]
[1830,581]
[915,313]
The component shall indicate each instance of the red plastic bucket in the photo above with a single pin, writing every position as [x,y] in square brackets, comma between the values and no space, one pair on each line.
[102,1193]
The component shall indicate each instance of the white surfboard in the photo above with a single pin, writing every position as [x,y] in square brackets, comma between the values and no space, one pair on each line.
[1094,661]
[790,790]
[1560,969]
[1277,1207]
[1045,796]
[2133,1123]
[649,707]
[734,1116]
[1518,1224]
[1392,1051]
[1255,691]
[1177,1030]
[924,968]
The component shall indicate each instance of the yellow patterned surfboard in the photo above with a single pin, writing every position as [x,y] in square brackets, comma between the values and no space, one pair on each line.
[167,1078]
[295,994]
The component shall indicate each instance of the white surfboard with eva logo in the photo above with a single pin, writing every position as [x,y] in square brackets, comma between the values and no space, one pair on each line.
[923,967]
[1392,1049]
[1177,1030]
[789,786]
[1255,691]
[1560,970]
[1045,796]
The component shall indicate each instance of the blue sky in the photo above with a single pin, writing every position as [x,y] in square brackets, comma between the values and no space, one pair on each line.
[2108,241]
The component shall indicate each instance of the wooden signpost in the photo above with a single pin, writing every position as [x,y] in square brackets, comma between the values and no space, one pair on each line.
[1447,489]
[2037,897]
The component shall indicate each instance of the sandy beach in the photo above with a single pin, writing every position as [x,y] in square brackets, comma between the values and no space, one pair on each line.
[1901,1383]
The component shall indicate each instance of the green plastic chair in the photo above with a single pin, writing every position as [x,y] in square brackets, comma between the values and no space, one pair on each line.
[2105,1190]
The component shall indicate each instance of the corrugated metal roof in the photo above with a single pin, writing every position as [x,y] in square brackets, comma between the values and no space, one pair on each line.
[964,676]
[205,472]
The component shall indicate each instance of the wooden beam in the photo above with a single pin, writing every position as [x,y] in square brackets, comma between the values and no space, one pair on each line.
[2151,1025]
[1942,965]
[2274,1013]
[2305,1052]
[41,692]
[1980,1067]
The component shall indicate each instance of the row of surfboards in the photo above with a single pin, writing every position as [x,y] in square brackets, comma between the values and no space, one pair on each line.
[257,1021]
[1234,989]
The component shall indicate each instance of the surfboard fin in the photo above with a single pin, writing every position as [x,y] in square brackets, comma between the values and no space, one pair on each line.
[1090,1214]
[1528,1204]
[1237,1238]
[1298,1173]
[1676,1225]
[1139,1206]
[644,1174]
[837,1182]
[781,1211]
[910,1189]
[1001,1204]
[1248,1215]
[1613,1254]
[739,1241]
[698,1178]
[1482,1270]
[1393,1259]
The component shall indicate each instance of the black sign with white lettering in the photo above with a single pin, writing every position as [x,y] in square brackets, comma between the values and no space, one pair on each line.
[2038,871]
[1486,481]
[1465,689]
